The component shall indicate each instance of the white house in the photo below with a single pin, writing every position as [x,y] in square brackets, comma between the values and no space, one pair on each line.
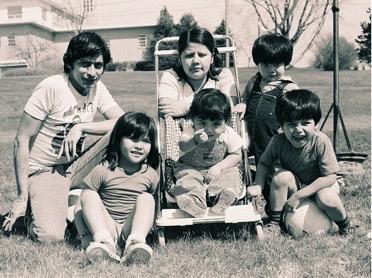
[25,21]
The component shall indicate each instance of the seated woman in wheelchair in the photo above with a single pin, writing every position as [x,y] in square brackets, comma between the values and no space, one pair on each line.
[199,66]
[210,153]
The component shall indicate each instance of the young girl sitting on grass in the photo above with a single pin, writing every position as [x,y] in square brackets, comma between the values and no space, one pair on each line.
[117,206]
[211,153]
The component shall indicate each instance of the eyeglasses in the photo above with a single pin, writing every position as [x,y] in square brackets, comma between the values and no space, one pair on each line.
[88,64]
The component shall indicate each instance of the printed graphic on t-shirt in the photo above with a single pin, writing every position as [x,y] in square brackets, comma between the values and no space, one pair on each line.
[78,112]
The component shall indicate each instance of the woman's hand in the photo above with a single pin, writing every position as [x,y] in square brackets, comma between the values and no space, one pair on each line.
[68,146]
[18,209]
[174,108]
[240,109]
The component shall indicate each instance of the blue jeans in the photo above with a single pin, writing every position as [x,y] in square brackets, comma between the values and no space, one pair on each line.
[48,193]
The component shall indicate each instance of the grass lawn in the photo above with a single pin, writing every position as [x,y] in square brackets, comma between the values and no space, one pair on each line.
[222,252]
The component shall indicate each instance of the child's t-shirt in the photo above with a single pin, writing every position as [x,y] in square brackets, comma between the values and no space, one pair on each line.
[207,154]
[314,160]
[118,190]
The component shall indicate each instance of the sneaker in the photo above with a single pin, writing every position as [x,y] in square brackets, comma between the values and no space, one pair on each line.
[225,199]
[189,204]
[272,228]
[137,253]
[348,229]
[97,251]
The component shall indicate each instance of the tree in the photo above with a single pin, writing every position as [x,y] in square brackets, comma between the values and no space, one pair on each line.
[164,28]
[167,28]
[324,54]
[364,40]
[187,22]
[34,50]
[221,30]
[292,18]
[74,14]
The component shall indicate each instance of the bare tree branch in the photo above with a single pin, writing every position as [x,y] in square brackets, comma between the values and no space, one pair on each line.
[35,51]
[292,18]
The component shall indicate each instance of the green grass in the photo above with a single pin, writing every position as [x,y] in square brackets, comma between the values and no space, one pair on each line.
[201,252]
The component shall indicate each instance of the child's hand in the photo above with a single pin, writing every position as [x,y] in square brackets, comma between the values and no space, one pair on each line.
[254,190]
[200,136]
[240,109]
[212,173]
[292,203]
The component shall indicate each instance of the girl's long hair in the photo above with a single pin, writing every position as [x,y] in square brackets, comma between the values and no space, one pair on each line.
[204,37]
[133,125]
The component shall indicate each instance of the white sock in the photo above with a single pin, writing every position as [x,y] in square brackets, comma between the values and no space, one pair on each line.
[103,235]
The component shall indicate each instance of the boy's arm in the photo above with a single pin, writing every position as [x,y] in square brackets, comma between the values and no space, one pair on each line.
[256,188]
[241,107]
[27,130]
[317,185]
[190,139]
[69,143]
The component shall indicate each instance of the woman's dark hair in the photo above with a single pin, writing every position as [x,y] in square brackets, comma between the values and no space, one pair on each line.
[204,37]
[298,105]
[133,125]
[272,49]
[85,44]
[210,104]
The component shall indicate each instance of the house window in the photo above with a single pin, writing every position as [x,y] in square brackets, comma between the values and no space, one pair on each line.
[14,12]
[142,41]
[88,6]
[11,40]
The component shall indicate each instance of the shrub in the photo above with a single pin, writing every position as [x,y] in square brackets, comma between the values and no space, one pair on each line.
[324,54]
[117,66]
[144,66]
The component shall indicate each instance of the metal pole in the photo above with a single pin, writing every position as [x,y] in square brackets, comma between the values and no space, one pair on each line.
[335,10]
[227,31]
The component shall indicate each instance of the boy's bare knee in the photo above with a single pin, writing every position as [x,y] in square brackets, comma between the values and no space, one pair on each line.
[283,178]
[326,198]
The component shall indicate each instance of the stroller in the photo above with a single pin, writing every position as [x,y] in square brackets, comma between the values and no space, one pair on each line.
[167,213]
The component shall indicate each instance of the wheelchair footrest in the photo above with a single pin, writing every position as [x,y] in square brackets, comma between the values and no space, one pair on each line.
[233,214]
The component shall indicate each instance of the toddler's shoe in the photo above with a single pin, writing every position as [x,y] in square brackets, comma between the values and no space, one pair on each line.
[225,199]
[97,251]
[136,253]
[189,204]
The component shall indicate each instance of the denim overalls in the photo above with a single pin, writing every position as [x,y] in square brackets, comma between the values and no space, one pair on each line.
[260,115]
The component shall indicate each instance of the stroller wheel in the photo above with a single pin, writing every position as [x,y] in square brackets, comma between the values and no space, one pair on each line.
[161,236]
[259,232]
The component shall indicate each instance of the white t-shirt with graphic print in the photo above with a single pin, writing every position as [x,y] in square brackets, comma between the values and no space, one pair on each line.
[59,106]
